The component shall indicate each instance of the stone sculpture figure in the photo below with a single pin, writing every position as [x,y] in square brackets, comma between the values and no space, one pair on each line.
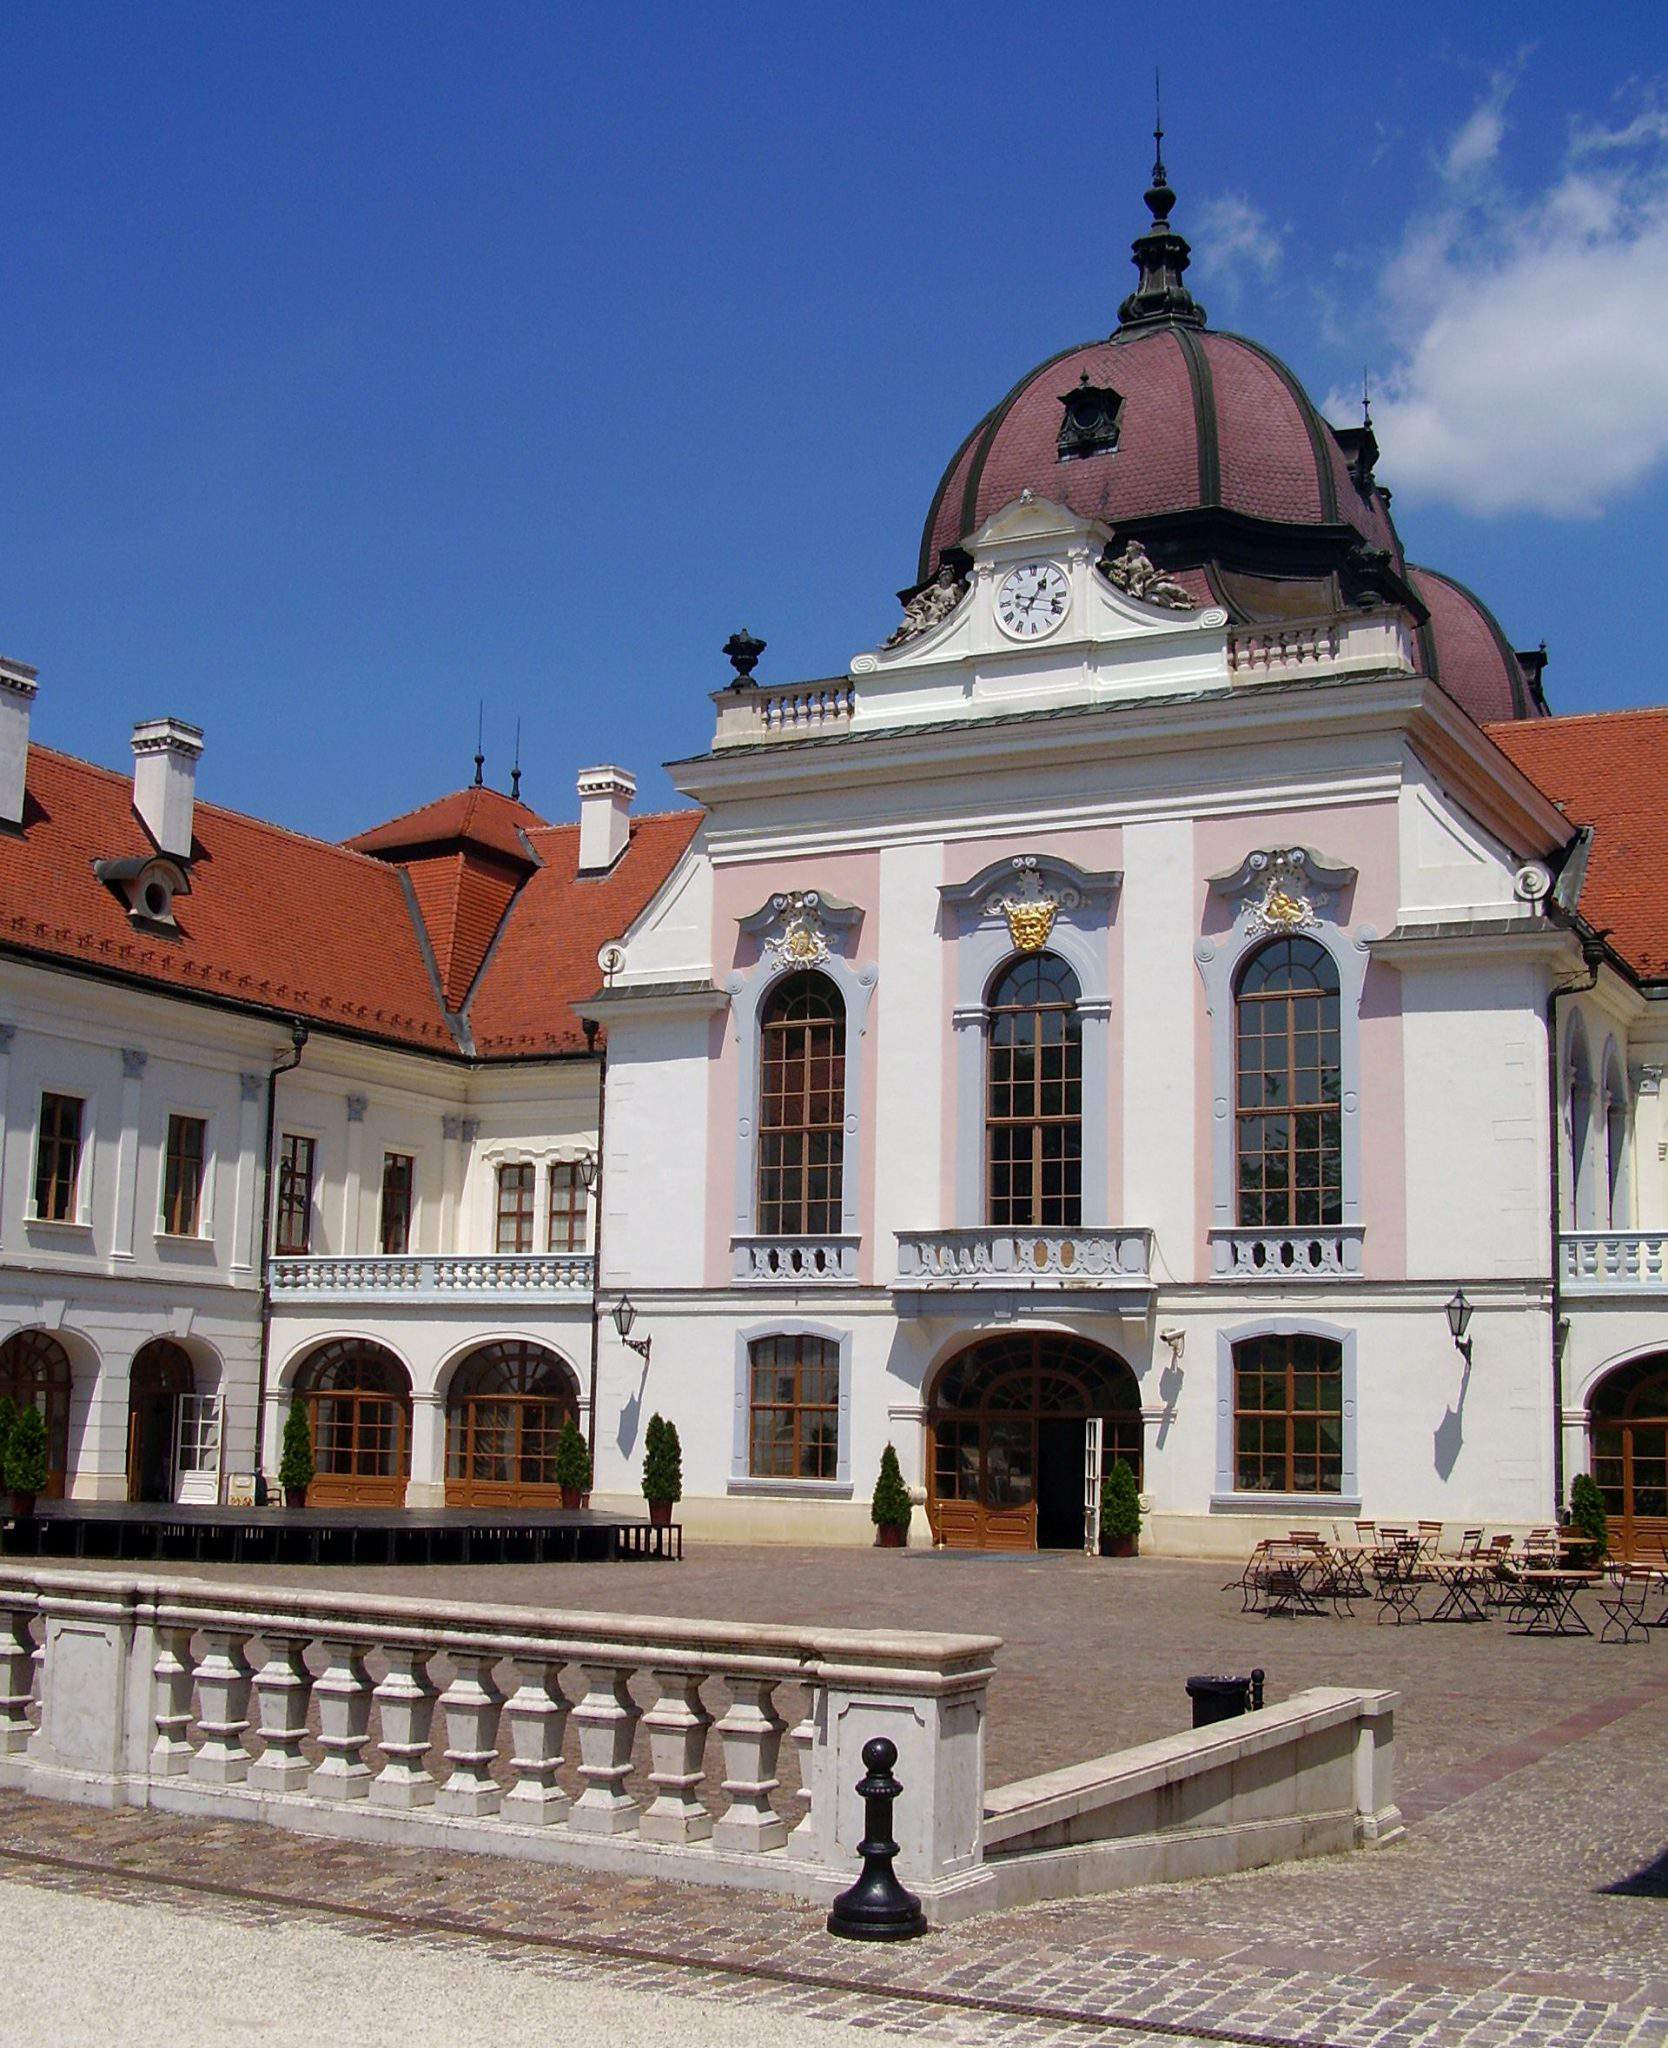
[931,604]
[1133,572]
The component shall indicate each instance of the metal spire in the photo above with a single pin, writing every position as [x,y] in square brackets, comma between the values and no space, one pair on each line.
[480,732]
[1161,255]
[515,771]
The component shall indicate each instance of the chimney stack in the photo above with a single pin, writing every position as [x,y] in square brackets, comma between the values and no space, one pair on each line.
[165,752]
[605,796]
[17,694]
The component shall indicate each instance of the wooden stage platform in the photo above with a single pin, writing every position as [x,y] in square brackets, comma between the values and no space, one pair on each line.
[120,1530]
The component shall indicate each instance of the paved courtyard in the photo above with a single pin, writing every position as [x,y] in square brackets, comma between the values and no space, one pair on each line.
[1529,1901]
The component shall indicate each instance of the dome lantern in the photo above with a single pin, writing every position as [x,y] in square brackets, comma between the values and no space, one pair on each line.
[1161,257]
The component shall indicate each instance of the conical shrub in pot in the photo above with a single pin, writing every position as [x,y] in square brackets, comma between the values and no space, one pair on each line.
[1120,1512]
[573,1465]
[662,1469]
[891,1509]
[295,1459]
[25,1471]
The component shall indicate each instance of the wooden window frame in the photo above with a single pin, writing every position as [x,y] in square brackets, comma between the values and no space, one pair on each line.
[398,1200]
[58,1148]
[295,1208]
[568,1222]
[516,1218]
[797,1118]
[1064,1209]
[184,1169]
[1252,1205]
[1294,1355]
[765,1354]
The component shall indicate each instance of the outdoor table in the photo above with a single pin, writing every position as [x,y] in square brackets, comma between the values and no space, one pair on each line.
[1463,1582]
[1291,1584]
[1546,1603]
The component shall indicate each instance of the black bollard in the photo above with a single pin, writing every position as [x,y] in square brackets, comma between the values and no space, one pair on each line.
[877,1908]
[1221,1698]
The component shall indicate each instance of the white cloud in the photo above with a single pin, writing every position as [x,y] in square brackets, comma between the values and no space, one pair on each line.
[1233,236]
[1530,371]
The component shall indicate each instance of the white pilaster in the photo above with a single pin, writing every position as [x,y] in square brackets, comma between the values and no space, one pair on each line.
[7,1033]
[352,1179]
[245,1207]
[127,1153]
[1158,921]
[908,1048]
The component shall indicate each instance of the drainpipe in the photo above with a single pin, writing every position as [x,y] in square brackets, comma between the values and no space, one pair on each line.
[596,1240]
[290,1061]
[1592,954]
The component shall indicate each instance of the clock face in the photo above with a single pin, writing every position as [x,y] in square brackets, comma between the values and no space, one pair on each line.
[1032,600]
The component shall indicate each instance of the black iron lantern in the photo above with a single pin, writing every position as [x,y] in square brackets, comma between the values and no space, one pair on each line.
[587,1166]
[625,1314]
[1459,1321]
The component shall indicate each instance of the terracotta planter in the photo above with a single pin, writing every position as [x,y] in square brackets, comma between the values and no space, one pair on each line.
[23,1504]
[1120,1546]
[660,1513]
[888,1536]
[571,1497]
[295,1496]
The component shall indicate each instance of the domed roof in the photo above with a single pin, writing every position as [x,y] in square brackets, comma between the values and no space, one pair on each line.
[1469,655]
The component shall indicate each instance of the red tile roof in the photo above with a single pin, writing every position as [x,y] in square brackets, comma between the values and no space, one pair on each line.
[1608,769]
[291,926]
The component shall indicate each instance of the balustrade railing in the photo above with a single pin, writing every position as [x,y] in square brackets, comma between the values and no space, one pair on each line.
[794,1259]
[1013,1257]
[1326,1250]
[400,1719]
[792,711]
[1604,1259]
[433,1277]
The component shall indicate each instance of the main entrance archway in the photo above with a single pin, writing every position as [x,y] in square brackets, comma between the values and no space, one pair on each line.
[1009,1424]
[358,1401]
[160,1373]
[1627,1430]
[504,1411]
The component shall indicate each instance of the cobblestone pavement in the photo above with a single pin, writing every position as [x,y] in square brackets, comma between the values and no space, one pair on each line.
[1527,1904]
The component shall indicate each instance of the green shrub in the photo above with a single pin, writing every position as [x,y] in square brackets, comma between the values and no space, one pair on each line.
[8,1422]
[1120,1505]
[26,1452]
[1587,1513]
[295,1460]
[662,1462]
[892,1507]
[573,1460]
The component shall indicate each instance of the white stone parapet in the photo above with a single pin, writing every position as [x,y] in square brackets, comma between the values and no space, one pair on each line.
[1326,1251]
[1614,1261]
[562,1276]
[792,1261]
[1373,641]
[1013,1257]
[792,712]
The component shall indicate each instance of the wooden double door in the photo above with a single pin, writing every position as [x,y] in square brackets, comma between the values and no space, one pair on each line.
[1628,1443]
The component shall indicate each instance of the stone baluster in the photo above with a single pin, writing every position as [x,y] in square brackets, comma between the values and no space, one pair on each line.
[677,1725]
[171,1675]
[223,1682]
[343,1693]
[405,1715]
[803,1736]
[17,1678]
[536,1714]
[607,1720]
[471,1705]
[283,1685]
[751,1732]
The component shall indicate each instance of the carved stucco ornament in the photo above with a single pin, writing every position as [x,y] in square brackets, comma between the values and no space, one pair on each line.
[1283,889]
[800,928]
[931,605]
[1134,573]
[1030,903]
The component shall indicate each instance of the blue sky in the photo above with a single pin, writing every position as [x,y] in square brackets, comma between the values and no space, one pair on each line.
[364,361]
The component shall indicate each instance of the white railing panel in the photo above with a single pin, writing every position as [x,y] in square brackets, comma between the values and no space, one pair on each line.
[1601,1260]
[1324,1251]
[794,1261]
[440,1277]
[1010,1258]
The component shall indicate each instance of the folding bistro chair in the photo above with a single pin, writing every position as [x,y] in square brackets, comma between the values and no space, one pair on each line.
[1471,1542]
[1430,1538]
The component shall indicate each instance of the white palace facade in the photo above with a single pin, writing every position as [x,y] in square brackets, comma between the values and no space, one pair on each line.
[1182,997]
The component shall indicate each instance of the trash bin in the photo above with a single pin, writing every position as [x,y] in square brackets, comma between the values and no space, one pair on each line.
[1222,1697]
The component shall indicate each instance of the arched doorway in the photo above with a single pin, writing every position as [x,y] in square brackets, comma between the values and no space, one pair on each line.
[1627,1430]
[1009,1426]
[161,1372]
[504,1411]
[35,1373]
[358,1401]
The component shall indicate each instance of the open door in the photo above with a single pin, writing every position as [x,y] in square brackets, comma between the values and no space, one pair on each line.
[1092,1433]
[197,1457]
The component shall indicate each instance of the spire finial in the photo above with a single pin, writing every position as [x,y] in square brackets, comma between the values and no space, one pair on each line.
[480,736]
[1366,401]
[1161,255]
[1158,126]
[515,769]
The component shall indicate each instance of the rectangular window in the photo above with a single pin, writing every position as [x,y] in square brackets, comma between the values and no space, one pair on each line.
[58,1160]
[295,1195]
[794,1423]
[182,1175]
[398,1178]
[1288,1415]
[515,1208]
[569,1206]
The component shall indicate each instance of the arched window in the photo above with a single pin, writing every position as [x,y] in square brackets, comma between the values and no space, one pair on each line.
[35,1373]
[802,1108]
[504,1411]
[1618,1209]
[1034,1095]
[1627,1423]
[1288,1137]
[358,1401]
[793,1408]
[1289,1415]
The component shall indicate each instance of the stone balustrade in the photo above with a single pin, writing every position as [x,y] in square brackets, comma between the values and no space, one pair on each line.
[1373,641]
[1326,1251]
[426,1277]
[1007,1258]
[1606,1261]
[794,1260]
[793,711]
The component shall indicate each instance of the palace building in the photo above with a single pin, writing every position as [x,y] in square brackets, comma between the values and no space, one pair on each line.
[1183,997]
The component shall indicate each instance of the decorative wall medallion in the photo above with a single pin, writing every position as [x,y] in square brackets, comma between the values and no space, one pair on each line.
[1281,889]
[799,939]
[1030,904]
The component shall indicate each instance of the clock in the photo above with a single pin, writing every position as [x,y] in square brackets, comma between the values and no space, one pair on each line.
[1032,600]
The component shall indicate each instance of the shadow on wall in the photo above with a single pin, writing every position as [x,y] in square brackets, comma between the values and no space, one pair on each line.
[1450,1431]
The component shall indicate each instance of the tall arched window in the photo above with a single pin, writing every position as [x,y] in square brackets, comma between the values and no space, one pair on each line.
[35,1373]
[802,1108]
[358,1401]
[1289,1140]
[1618,1208]
[504,1411]
[1034,1095]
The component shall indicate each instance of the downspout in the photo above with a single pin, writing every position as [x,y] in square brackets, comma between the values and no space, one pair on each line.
[1592,953]
[298,1037]
[596,1240]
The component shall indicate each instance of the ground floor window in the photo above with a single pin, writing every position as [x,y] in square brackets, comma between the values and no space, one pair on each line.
[504,1411]
[35,1373]
[794,1408]
[1627,1425]
[358,1401]
[1288,1415]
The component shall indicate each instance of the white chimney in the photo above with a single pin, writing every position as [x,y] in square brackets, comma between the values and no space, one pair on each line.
[165,752]
[17,693]
[605,796]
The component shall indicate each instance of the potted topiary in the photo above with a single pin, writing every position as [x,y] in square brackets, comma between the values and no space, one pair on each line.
[891,1510]
[25,1471]
[295,1460]
[1589,1525]
[573,1465]
[1120,1512]
[8,1417]
[662,1469]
